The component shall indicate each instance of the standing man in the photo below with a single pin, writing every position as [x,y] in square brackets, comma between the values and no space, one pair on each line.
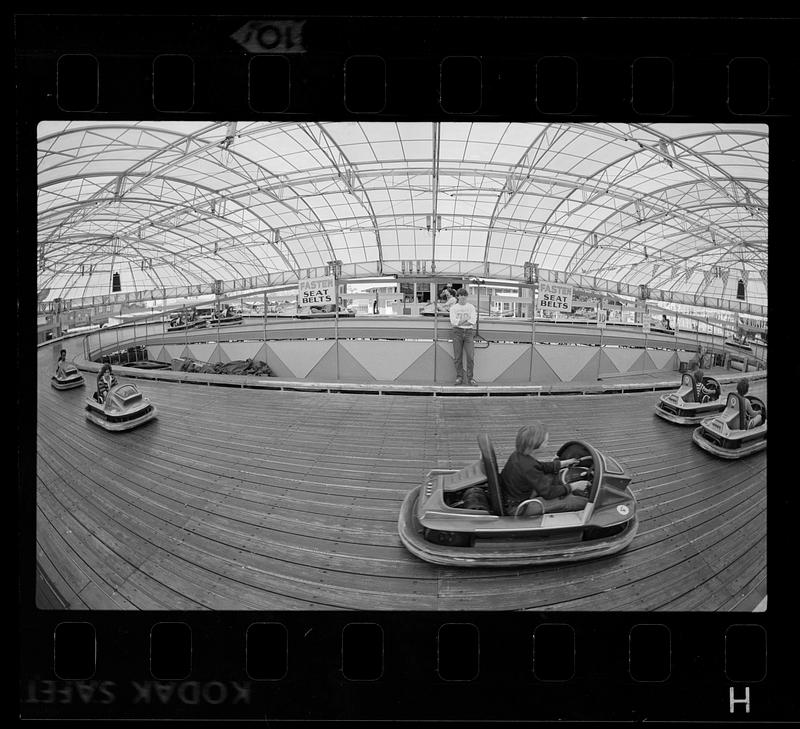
[464,319]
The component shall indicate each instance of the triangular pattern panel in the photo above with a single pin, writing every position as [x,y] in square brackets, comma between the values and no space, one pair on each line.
[623,358]
[649,365]
[160,355]
[218,355]
[607,366]
[350,369]
[566,361]
[519,370]
[202,352]
[493,361]
[240,350]
[276,364]
[445,366]
[262,353]
[384,361]
[543,373]
[325,370]
[172,351]
[589,372]
[301,356]
[663,359]
[420,370]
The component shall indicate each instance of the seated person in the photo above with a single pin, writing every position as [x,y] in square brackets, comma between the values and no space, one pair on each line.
[752,417]
[61,363]
[447,299]
[105,381]
[525,477]
[665,322]
[701,389]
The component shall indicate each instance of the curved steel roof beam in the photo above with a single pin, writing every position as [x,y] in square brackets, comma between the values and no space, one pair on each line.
[68,286]
[186,140]
[647,197]
[338,164]
[182,139]
[678,141]
[184,208]
[707,226]
[184,255]
[512,191]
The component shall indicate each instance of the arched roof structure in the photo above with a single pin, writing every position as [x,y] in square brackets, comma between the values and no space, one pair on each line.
[678,207]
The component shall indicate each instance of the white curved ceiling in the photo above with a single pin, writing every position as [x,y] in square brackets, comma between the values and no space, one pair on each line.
[679,207]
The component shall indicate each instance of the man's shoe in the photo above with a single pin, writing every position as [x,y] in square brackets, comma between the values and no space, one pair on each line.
[472,382]
[459,381]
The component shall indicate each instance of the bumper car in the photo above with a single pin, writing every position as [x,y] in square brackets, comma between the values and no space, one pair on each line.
[457,517]
[179,324]
[738,345]
[435,310]
[326,311]
[223,321]
[124,408]
[69,378]
[686,405]
[729,435]
[150,364]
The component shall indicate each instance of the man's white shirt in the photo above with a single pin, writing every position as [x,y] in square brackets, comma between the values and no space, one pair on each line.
[463,315]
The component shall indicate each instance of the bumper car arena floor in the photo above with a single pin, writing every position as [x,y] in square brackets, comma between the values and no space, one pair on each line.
[246,499]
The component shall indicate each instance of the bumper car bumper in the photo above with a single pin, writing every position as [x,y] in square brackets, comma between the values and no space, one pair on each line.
[720,450]
[687,416]
[511,552]
[121,421]
[67,383]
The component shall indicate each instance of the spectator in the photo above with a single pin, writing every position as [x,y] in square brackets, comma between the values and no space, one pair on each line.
[447,298]
[463,319]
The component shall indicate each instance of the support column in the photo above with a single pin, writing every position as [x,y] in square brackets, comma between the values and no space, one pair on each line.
[265,328]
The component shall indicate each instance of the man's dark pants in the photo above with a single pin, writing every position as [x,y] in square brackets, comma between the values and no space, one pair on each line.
[463,344]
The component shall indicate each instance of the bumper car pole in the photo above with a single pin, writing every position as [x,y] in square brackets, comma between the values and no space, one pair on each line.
[533,324]
[219,354]
[435,325]
[265,328]
[601,328]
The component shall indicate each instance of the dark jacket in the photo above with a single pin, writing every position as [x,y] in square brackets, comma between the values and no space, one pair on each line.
[524,477]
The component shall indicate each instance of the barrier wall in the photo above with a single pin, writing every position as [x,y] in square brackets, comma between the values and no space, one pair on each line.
[407,351]
[421,362]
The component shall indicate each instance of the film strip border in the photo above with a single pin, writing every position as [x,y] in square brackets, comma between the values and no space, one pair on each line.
[294,667]
[373,69]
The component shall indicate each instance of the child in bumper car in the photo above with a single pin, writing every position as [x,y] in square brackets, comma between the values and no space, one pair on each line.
[105,381]
[703,393]
[61,364]
[525,477]
[753,417]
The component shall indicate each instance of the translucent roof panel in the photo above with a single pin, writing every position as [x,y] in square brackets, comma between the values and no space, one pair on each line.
[679,207]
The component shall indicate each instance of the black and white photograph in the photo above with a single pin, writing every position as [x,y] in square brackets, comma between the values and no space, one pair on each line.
[401,365]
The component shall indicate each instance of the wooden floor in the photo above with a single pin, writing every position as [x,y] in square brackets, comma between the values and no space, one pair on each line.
[249,499]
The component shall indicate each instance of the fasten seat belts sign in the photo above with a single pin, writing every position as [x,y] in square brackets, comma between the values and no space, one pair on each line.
[315,291]
[554,297]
